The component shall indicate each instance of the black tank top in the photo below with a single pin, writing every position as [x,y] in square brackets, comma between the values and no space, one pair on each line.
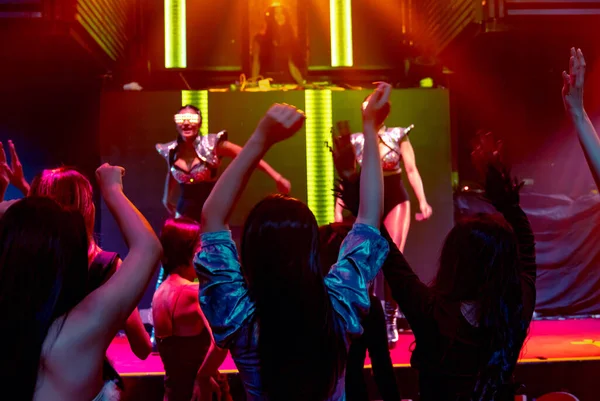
[102,268]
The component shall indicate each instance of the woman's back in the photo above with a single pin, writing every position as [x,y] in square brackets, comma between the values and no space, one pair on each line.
[183,340]
[232,314]
[175,309]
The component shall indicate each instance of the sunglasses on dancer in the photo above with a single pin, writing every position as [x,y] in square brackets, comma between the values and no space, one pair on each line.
[191,118]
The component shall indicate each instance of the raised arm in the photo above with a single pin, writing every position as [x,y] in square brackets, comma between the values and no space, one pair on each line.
[278,124]
[503,192]
[371,175]
[410,165]
[573,99]
[230,149]
[94,322]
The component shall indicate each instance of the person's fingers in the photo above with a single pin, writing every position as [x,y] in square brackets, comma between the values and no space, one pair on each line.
[580,71]
[566,79]
[14,157]
[2,154]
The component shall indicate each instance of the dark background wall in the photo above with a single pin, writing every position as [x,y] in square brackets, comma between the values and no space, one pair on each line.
[510,83]
[51,126]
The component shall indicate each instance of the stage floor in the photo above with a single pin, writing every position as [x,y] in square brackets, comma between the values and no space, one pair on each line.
[548,341]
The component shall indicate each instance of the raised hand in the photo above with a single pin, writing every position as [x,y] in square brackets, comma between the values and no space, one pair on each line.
[110,177]
[280,123]
[572,91]
[18,177]
[487,151]
[377,106]
[5,172]
[500,188]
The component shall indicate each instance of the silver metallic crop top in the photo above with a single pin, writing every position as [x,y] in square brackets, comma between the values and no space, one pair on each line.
[391,138]
[206,150]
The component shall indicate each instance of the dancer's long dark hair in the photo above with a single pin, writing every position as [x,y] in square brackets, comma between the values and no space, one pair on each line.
[301,346]
[479,263]
[43,275]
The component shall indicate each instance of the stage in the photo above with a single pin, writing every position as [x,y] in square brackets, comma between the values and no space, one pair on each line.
[558,354]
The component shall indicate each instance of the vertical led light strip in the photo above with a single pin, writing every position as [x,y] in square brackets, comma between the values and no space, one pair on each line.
[340,18]
[175,34]
[200,100]
[319,161]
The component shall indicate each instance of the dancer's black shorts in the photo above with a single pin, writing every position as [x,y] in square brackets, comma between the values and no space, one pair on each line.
[394,192]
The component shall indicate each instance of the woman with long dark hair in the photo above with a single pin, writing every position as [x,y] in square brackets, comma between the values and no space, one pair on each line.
[184,341]
[288,328]
[56,333]
[276,51]
[73,191]
[193,162]
[471,323]
[395,151]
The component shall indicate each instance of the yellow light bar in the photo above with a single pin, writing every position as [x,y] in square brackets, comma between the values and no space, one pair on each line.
[319,161]
[200,100]
[175,34]
[340,18]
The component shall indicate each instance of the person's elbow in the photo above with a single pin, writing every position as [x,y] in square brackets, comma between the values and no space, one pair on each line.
[411,170]
[205,216]
[150,245]
[371,217]
[143,351]
[139,341]
[210,219]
